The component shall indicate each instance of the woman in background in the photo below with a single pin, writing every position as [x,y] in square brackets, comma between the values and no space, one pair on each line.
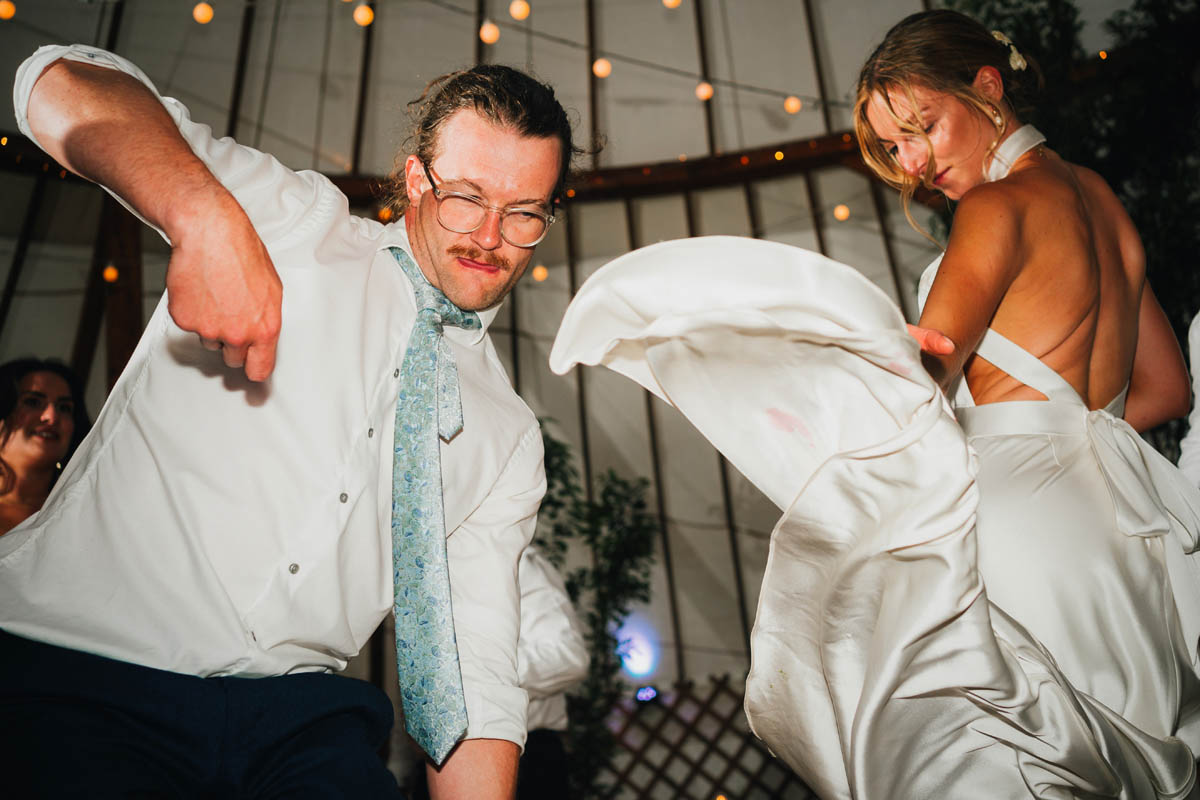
[42,421]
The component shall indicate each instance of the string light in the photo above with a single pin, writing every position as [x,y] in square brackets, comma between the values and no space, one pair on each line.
[384,214]
[202,13]
[540,273]
[841,212]
[3,141]
[7,9]
[570,192]
[671,3]
[489,32]
[602,68]
[519,9]
[704,91]
[683,156]
[1103,54]
[779,155]
[792,104]
[744,160]
[110,274]
[364,15]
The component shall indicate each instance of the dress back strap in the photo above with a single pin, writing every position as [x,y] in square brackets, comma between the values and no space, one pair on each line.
[1025,367]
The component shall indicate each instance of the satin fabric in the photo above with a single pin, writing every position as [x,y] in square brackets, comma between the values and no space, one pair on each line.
[880,666]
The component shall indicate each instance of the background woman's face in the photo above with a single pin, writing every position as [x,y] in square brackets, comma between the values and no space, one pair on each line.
[958,133]
[43,422]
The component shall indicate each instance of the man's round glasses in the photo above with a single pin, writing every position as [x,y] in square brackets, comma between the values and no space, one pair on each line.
[464,213]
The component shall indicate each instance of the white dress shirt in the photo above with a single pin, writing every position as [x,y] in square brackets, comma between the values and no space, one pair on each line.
[551,654]
[213,526]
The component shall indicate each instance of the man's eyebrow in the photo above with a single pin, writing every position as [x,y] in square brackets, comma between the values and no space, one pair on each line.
[479,190]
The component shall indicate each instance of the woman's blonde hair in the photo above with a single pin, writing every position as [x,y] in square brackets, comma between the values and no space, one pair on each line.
[942,51]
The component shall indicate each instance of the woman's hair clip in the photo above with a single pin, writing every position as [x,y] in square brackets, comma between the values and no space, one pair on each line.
[1015,59]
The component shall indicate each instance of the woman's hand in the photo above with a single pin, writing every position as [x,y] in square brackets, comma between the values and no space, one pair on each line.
[931,341]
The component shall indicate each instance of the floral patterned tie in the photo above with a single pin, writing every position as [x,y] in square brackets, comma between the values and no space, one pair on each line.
[428,406]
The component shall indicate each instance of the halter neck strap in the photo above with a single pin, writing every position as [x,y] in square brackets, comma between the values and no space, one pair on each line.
[1019,142]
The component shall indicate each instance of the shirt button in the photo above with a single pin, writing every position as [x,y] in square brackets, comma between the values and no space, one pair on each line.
[396,374]
[370,432]
[292,568]
[343,497]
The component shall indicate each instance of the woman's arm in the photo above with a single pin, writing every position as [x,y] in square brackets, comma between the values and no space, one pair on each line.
[1158,386]
[981,261]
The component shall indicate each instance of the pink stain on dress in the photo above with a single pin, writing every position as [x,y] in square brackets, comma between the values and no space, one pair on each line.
[781,420]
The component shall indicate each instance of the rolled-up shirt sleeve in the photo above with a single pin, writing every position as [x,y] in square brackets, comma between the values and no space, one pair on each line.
[552,654]
[282,204]
[484,553]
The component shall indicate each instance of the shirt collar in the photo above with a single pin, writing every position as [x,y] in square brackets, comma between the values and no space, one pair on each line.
[395,235]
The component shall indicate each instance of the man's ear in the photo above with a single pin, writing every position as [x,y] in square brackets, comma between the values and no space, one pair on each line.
[989,83]
[414,179]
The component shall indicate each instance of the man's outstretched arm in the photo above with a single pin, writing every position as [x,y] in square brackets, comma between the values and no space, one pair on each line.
[109,128]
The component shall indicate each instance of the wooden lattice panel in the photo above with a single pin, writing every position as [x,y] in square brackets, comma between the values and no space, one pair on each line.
[693,742]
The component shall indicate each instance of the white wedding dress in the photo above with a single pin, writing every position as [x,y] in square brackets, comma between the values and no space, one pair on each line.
[1015,619]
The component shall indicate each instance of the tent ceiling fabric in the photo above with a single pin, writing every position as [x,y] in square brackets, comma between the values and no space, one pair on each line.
[308,53]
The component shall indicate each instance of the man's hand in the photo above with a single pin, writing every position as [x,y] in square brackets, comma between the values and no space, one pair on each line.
[222,285]
[109,128]
[931,341]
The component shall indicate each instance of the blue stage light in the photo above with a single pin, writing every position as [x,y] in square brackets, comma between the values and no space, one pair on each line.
[639,655]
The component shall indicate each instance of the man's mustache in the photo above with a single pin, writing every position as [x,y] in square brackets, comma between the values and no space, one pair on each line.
[478,255]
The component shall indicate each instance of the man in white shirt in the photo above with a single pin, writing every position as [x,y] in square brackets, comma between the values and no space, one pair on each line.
[218,526]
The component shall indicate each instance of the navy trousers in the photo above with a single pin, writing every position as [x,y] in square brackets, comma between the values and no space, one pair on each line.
[79,725]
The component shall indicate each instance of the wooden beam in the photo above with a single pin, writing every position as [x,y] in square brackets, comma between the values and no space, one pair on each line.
[23,238]
[814,210]
[239,71]
[659,491]
[710,128]
[889,250]
[114,26]
[593,85]
[585,450]
[726,495]
[360,113]
[814,45]
[123,297]
[480,16]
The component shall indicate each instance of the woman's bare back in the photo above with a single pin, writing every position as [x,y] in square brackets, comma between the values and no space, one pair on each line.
[1074,297]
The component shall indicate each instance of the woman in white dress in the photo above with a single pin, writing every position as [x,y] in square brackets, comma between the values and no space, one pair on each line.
[1042,291]
[1013,619]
